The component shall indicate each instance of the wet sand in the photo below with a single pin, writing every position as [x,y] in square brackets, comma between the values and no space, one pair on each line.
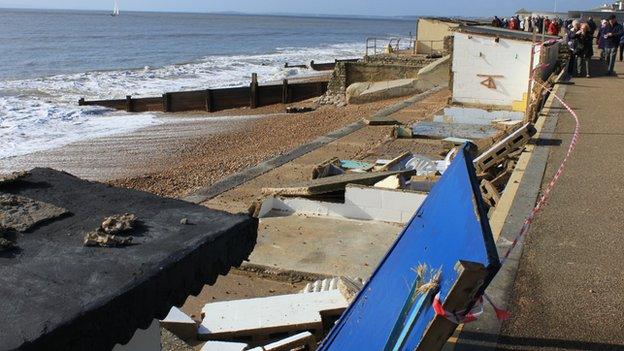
[192,150]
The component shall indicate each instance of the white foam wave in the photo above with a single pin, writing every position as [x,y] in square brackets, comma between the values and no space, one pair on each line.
[42,113]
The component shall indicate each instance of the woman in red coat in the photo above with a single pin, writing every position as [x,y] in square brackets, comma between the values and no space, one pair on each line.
[553,28]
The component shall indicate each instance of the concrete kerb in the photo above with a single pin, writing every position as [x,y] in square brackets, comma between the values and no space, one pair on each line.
[248,174]
[526,186]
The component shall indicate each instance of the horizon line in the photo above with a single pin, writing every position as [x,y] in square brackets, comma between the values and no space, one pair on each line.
[285,14]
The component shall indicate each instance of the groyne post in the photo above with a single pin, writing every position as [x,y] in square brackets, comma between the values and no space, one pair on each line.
[254,90]
[129,107]
[209,105]
[166,102]
[285,94]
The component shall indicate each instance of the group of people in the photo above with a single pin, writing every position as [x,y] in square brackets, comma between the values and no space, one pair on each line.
[579,36]
[528,24]
[580,39]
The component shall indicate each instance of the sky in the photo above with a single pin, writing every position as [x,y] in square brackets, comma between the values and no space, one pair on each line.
[338,7]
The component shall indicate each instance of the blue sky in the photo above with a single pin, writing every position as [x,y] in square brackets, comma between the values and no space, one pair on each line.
[340,7]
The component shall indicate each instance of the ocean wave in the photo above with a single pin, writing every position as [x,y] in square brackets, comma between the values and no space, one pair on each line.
[42,113]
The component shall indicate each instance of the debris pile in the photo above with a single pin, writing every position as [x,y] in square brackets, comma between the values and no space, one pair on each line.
[280,323]
[113,232]
[495,165]
[332,98]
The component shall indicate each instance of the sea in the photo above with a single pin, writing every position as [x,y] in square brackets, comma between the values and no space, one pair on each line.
[50,58]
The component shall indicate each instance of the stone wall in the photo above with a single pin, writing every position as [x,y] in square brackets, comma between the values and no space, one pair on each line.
[403,60]
[377,72]
[338,82]
[375,69]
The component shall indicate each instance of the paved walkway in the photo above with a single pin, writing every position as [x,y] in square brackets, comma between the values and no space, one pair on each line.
[569,292]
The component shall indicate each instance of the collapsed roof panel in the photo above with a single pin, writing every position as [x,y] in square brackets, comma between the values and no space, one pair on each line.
[58,294]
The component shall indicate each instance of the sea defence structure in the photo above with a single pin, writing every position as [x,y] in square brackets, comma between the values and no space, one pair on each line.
[61,292]
[255,95]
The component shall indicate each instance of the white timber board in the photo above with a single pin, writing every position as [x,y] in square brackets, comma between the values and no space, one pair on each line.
[268,314]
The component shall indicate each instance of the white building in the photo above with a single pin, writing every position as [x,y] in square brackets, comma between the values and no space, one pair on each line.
[492,66]
[602,12]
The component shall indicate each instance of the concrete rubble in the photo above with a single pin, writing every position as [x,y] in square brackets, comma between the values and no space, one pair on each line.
[302,317]
[113,232]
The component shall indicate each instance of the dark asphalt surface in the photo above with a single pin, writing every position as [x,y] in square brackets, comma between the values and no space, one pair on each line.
[569,292]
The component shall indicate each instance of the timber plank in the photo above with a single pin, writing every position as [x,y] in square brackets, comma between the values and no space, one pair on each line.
[268,315]
[332,184]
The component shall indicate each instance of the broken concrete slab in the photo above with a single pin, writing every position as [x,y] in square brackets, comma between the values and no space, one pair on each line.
[20,213]
[361,203]
[180,324]
[331,184]
[435,74]
[224,346]
[468,115]
[365,92]
[113,292]
[322,245]
[439,130]
[295,342]
[348,287]
[269,315]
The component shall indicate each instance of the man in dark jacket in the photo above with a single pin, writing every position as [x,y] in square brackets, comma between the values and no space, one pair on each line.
[592,26]
[583,50]
[612,34]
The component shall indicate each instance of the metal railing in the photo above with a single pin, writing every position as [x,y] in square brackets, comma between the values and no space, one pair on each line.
[375,45]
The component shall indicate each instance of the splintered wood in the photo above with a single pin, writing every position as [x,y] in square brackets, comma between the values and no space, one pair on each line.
[331,184]
[497,153]
[495,166]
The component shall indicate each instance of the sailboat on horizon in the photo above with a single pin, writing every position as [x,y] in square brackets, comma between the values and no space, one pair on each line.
[115,9]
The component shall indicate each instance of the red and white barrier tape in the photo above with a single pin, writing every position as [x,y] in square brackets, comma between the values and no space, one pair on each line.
[547,191]
[472,315]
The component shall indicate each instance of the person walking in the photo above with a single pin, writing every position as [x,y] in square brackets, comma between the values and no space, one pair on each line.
[612,34]
[601,40]
[584,50]
[571,40]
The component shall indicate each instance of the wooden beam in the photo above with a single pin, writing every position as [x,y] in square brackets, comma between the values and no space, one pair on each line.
[209,100]
[166,102]
[285,92]
[462,296]
[254,91]
[332,184]
[129,105]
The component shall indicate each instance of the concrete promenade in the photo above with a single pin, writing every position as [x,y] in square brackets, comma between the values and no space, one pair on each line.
[569,291]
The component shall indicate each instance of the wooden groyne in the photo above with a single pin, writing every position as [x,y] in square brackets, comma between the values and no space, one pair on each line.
[326,66]
[210,100]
